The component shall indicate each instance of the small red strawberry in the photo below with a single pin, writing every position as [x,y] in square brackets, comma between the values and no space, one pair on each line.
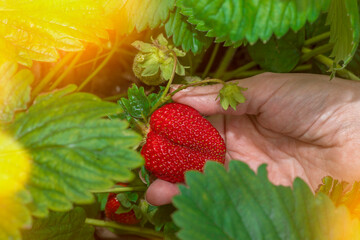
[180,139]
[112,205]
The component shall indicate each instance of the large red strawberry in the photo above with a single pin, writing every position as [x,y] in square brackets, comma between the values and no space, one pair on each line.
[112,205]
[180,139]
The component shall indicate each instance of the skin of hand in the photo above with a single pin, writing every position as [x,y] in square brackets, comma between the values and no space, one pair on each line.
[300,125]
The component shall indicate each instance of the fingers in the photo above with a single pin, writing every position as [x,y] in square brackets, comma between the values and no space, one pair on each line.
[161,192]
[260,89]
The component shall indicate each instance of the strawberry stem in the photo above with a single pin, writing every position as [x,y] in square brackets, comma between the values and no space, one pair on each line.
[211,61]
[139,231]
[212,80]
[121,189]
[329,63]
[317,38]
[163,97]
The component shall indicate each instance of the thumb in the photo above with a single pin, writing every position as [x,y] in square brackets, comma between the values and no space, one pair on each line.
[260,89]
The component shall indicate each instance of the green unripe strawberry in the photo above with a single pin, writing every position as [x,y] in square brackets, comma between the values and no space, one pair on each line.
[138,70]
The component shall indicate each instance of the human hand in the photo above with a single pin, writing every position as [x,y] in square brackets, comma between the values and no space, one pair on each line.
[300,125]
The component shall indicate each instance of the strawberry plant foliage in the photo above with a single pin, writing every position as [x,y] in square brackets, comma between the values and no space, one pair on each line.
[35,30]
[279,55]
[344,15]
[185,34]
[234,21]
[72,227]
[73,148]
[137,104]
[240,204]
[140,14]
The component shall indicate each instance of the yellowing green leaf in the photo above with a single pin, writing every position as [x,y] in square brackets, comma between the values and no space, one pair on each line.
[14,89]
[74,148]
[35,30]
[13,216]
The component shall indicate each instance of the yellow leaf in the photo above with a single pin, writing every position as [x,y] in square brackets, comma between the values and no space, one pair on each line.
[35,30]
[14,89]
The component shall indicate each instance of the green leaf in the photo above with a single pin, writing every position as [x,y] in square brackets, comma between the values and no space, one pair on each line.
[133,197]
[145,175]
[61,226]
[343,17]
[14,215]
[170,230]
[239,204]
[155,97]
[234,21]
[141,14]
[102,199]
[123,199]
[279,55]
[14,89]
[159,215]
[137,104]
[74,148]
[184,34]
[231,94]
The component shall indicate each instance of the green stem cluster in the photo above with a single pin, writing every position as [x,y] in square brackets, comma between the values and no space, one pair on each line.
[316,53]
[102,64]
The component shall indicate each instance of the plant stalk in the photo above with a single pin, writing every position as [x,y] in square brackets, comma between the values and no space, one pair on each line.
[329,63]
[166,90]
[317,38]
[251,73]
[139,231]
[225,62]
[115,97]
[193,85]
[211,61]
[66,72]
[237,71]
[38,89]
[102,64]
[121,189]
[316,51]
